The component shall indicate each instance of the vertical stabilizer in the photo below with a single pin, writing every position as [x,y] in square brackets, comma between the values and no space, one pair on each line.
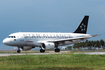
[82,28]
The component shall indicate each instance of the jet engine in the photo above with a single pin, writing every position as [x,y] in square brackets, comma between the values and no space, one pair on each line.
[25,48]
[48,45]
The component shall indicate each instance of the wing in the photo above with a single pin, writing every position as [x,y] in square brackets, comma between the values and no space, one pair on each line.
[62,42]
[67,41]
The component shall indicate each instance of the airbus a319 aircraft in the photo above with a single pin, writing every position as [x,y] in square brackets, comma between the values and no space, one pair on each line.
[47,40]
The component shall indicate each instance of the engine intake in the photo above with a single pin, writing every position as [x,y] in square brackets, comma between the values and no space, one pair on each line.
[48,45]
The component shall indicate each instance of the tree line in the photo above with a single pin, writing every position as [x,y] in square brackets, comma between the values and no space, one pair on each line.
[88,43]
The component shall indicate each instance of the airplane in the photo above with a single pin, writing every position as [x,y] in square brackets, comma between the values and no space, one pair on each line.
[48,40]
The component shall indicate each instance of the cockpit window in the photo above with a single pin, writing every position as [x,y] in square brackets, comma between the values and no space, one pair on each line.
[9,36]
[12,37]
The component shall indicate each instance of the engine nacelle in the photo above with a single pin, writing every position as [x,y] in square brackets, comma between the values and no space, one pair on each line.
[25,48]
[48,45]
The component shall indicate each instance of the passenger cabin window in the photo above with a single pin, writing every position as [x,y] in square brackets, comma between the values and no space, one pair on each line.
[12,37]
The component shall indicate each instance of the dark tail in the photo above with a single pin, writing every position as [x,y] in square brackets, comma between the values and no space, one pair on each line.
[82,28]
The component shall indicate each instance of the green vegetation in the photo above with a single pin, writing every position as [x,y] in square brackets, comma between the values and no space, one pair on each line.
[53,62]
[89,44]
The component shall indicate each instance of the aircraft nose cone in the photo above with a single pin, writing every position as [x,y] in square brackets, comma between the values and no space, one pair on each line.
[5,41]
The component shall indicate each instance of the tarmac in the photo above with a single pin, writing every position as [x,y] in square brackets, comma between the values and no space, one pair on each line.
[51,52]
[9,54]
[95,53]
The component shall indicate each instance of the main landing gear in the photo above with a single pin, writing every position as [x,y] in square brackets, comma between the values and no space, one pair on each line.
[18,51]
[57,50]
[42,51]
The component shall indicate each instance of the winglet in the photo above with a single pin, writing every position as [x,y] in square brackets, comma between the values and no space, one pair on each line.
[82,28]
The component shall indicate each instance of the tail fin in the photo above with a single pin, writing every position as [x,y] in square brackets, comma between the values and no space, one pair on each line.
[82,28]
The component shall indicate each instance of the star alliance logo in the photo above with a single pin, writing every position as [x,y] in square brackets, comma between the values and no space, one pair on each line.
[83,27]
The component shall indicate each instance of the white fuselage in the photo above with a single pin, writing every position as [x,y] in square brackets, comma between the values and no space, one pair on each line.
[35,39]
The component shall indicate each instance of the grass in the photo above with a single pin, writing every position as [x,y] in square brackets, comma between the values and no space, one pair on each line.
[53,62]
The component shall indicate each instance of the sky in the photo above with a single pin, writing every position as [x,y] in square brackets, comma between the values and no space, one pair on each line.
[50,16]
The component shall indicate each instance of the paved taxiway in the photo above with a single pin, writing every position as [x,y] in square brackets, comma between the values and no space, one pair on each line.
[49,52]
[90,53]
[95,53]
[9,54]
